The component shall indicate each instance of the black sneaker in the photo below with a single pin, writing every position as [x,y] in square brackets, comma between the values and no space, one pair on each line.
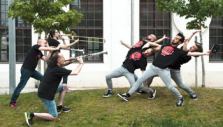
[108,94]
[180,102]
[66,109]
[28,118]
[193,96]
[153,95]
[123,96]
[61,108]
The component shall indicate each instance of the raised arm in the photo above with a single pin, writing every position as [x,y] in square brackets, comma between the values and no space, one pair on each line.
[154,45]
[125,44]
[161,39]
[186,42]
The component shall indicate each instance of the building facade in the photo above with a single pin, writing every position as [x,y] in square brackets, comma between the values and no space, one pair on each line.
[116,20]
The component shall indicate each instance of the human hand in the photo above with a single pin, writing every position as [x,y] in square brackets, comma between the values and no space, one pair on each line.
[80,60]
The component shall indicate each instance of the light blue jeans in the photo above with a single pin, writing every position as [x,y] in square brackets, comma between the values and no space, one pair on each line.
[177,78]
[121,71]
[50,105]
[164,74]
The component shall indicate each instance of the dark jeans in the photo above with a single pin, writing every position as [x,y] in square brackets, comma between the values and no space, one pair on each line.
[25,75]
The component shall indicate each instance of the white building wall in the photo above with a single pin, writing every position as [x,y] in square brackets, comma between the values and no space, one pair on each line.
[117,26]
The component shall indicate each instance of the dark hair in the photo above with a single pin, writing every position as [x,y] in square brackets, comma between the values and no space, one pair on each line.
[182,37]
[52,62]
[52,33]
[199,47]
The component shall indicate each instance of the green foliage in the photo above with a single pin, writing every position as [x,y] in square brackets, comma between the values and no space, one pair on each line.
[199,10]
[45,14]
[90,109]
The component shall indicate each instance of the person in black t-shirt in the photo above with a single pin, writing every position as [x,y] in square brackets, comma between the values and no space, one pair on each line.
[167,55]
[53,38]
[49,86]
[148,51]
[194,50]
[135,59]
[29,65]
[175,69]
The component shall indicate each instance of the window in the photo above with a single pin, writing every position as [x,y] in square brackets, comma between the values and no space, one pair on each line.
[23,35]
[153,21]
[90,26]
[3,31]
[216,37]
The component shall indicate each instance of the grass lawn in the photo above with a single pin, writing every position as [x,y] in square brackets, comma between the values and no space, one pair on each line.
[89,109]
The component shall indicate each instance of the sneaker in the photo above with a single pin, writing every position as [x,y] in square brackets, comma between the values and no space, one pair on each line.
[193,96]
[108,94]
[61,108]
[66,109]
[153,95]
[12,104]
[28,118]
[140,92]
[180,102]
[123,96]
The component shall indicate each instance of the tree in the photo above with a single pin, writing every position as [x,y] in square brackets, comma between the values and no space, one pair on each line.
[45,15]
[198,10]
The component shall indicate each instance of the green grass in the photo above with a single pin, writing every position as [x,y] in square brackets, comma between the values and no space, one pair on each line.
[89,109]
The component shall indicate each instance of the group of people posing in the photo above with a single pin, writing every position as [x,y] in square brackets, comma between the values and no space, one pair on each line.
[167,62]
[54,79]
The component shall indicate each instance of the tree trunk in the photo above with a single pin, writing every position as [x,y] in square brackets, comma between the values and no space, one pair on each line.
[202,63]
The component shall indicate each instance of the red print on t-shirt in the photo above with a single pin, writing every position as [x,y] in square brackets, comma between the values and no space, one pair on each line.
[136,56]
[168,50]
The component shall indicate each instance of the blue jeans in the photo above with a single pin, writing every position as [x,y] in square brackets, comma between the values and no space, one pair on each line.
[25,75]
[51,106]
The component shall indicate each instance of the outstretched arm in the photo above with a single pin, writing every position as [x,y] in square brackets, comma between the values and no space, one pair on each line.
[125,44]
[79,67]
[198,53]
[66,46]
[49,48]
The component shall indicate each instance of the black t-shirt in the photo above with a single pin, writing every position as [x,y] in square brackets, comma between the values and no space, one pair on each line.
[181,60]
[32,58]
[53,42]
[167,56]
[135,58]
[50,82]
